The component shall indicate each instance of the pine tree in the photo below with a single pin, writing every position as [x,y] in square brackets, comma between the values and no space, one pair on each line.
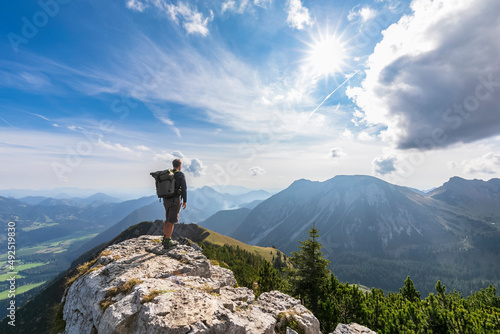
[409,292]
[330,313]
[310,274]
[269,278]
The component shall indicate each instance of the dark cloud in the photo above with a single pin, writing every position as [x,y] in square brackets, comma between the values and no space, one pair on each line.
[256,171]
[384,165]
[336,152]
[434,80]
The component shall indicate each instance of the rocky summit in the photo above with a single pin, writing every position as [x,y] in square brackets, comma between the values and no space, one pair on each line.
[138,287]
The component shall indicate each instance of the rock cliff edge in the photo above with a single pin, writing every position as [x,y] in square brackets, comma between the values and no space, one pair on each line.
[137,287]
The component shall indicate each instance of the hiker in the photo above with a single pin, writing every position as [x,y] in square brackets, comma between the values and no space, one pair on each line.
[173,204]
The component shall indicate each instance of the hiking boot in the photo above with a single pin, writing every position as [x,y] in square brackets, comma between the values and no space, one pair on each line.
[168,243]
[164,242]
[172,244]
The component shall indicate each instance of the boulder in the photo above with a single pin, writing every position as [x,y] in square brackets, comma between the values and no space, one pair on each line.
[352,328]
[137,287]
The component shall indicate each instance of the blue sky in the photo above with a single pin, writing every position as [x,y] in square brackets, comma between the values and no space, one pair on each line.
[97,94]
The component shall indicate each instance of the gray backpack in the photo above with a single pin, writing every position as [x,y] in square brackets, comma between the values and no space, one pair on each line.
[165,183]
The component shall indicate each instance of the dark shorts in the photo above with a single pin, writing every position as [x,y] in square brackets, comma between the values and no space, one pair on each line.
[172,208]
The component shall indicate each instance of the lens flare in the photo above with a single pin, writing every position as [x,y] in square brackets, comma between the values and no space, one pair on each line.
[327,56]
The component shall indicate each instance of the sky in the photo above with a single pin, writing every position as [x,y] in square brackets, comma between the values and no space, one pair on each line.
[253,93]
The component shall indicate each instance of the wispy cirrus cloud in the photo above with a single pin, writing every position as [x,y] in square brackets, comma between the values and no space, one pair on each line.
[6,122]
[162,115]
[227,90]
[113,146]
[23,77]
[142,148]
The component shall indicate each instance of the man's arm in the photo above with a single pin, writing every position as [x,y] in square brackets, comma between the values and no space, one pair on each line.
[183,191]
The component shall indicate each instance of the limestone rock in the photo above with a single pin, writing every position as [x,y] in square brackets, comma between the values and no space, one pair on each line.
[352,328]
[138,287]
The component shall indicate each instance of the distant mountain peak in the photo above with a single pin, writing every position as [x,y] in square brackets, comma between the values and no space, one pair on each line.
[102,197]
[300,182]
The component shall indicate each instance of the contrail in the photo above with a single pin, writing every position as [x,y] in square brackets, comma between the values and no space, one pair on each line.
[37,115]
[326,98]
[3,119]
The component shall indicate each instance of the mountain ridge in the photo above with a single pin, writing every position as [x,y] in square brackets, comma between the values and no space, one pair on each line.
[363,217]
[39,311]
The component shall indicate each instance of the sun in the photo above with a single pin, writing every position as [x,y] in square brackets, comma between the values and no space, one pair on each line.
[327,56]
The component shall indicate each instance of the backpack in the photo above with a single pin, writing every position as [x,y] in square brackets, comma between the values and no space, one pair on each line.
[165,183]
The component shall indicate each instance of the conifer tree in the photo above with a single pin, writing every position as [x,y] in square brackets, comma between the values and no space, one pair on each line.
[310,274]
[269,278]
[409,292]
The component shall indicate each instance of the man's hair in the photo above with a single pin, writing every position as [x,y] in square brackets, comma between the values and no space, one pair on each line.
[176,163]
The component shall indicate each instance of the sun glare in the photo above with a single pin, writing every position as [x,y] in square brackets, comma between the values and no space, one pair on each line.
[327,56]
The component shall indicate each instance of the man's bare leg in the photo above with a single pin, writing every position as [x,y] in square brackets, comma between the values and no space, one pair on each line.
[168,229]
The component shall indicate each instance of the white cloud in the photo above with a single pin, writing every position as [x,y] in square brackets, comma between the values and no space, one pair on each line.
[298,15]
[183,14]
[192,21]
[384,165]
[193,166]
[486,164]
[358,118]
[347,134]
[256,171]
[136,5]
[142,148]
[365,13]
[162,115]
[365,136]
[228,6]
[232,6]
[74,127]
[165,120]
[336,152]
[114,147]
[434,79]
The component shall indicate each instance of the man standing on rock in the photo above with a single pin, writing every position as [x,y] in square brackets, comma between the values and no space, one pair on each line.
[173,204]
